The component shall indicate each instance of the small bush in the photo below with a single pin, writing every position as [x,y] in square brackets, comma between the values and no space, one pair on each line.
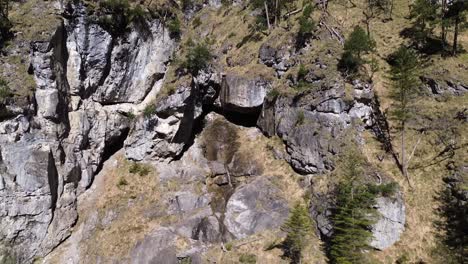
[248,258]
[300,118]
[149,110]
[273,93]
[228,246]
[122,182]
[5,91]
[130,115]
[197,58]
[301,74]
[388,189]
[116,15]
[140,169]
[174,28]
[196,22]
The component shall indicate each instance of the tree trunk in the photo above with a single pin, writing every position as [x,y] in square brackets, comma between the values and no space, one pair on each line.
[391,9]
[267,16]
[455,35]
[277,12]
[404,166]
[443,34]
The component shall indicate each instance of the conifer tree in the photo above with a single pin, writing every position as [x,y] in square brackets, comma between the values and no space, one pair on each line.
[299,229]
[404,77]
[306,25]
[354,213]
[424,13]
[355,46]
[453,211]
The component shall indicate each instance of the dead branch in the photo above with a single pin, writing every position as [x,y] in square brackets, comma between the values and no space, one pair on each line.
[333,32]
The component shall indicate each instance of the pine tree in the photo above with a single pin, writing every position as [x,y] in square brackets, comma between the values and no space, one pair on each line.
[355,46]
[404,77]
[424,13]
[306,25]
[354,213]
[299,229]
[453,223]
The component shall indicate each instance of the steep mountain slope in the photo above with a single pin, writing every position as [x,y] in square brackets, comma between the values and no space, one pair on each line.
[113,151]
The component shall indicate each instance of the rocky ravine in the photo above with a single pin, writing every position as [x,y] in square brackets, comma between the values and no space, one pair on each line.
[90,87]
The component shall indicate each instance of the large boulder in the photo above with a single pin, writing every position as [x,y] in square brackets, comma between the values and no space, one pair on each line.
[239,94]
[391,222]
[255,207]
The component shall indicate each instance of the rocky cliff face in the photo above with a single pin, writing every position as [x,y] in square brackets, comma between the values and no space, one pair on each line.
[92,88]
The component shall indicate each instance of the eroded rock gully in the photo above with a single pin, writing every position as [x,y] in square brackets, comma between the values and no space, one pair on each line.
[92,88]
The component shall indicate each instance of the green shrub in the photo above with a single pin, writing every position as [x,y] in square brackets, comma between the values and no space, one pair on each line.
[130,115]
[140,169]
[198,58]
[302,72]
[248,258]
[122,182]
[174,28]
[388,189]
[116,15]
[228,246]
[5,91]
[300,118]
[273,93]
[149,110]
[196,22]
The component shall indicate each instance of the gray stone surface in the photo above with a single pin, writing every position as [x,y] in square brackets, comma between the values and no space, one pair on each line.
[391,223]
[254,207]
[239,94]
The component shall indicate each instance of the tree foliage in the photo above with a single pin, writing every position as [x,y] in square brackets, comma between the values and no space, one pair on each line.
[174,27]
[424,13]
[404,76]
[5,23]
[299,229]
[457,12]
[453,211]
[355,211]
[116,15]
[198,58]
[306,24]
[357,44]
